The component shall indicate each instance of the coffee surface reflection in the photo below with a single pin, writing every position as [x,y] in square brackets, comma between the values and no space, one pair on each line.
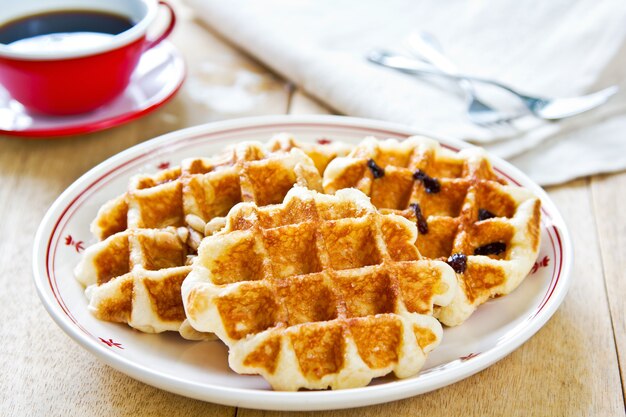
[62,30]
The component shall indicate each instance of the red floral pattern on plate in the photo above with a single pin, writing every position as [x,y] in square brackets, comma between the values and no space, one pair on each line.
[111,343]
[545,261]
[78,245]
[468,357]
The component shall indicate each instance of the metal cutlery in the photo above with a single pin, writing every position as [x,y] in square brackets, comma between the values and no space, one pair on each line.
[426,48]
[545,108]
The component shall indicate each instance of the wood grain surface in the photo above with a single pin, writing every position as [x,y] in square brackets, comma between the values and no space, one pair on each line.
[571,367]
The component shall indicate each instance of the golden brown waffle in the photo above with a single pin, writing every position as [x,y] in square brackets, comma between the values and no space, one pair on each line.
[205,188]
[135,276]
[465,213]
[320,291]
[321,153]
[167,213]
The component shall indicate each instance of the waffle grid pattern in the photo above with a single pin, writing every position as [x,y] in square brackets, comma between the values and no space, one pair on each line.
[203,189]
[135,276]
[467,207]
[319,291]
[180,201]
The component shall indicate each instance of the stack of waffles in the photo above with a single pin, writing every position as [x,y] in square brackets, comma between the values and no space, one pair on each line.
[317,265]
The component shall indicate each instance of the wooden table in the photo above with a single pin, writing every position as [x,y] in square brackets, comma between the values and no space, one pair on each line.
[570,367]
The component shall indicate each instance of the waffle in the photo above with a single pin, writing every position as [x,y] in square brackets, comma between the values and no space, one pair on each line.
[135,276]
[150,232]
[321,152]
[202,189]
[320,291]
[487,230]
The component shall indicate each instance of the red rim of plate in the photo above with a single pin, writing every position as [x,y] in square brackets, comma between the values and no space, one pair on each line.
[210,132]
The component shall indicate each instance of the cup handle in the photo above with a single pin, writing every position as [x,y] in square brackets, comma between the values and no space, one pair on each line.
[168,29]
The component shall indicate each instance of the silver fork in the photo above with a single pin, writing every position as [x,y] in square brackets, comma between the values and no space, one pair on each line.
[424,44]
[426,48]
[545,108]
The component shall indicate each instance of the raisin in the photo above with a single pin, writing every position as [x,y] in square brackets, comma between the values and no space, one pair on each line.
[458,262]
[431,185]
[493,248]
[377,171]
[485,214]
[422,226]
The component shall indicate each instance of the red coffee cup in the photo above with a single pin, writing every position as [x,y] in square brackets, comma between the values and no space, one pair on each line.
[78,80]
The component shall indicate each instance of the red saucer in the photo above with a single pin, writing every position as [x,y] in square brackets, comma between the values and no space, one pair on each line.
[158,76]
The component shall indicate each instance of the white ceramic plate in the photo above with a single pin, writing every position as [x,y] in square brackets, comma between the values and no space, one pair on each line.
[200,369]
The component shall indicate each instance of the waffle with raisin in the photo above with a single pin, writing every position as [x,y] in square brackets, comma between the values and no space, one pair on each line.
[486,229]
[320,291]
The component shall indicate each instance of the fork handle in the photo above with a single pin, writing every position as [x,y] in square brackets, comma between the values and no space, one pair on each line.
[410,66]
[422,48]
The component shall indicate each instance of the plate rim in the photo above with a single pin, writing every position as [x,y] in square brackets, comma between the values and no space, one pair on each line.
[277,400]
[112,121]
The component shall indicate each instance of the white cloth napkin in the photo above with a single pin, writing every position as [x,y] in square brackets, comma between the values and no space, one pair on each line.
[556,48]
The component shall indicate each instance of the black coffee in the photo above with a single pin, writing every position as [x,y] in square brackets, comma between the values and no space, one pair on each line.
[66,29]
